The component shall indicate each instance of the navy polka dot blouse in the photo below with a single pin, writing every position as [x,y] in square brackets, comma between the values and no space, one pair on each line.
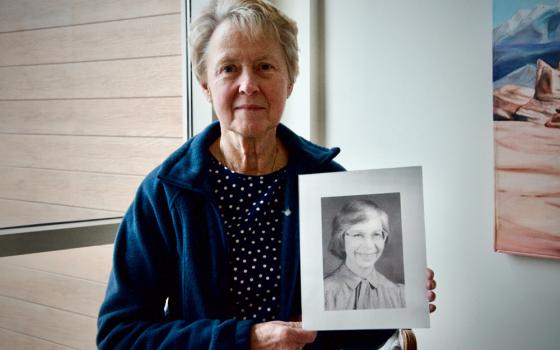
[251,209]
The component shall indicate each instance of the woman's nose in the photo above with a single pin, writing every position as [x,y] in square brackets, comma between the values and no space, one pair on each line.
[370,243]
[248,83]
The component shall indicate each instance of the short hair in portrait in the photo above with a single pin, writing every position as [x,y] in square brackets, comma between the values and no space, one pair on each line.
[363,264]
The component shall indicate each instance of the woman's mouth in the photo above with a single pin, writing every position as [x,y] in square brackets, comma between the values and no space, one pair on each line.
[249,107]
[366,256]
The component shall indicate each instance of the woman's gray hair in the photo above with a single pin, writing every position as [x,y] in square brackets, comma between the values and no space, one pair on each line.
[253,17]
[350,214]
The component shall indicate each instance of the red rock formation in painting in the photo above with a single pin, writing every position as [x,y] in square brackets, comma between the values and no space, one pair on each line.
[554,122]
[547,85]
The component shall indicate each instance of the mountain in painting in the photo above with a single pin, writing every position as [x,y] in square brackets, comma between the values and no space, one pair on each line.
[527,36]
[537,26]
[524,76]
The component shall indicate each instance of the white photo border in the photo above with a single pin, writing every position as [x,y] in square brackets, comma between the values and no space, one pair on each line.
[408,182]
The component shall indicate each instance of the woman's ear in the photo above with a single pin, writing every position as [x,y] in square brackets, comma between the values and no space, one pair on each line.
[206,91]
[290,89]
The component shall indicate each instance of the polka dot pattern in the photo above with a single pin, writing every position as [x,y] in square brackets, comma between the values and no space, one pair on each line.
[251,208]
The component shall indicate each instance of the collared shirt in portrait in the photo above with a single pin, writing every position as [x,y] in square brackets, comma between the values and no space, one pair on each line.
[344,290]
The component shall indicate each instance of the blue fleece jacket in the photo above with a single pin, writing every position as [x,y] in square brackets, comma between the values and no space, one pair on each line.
[170,246]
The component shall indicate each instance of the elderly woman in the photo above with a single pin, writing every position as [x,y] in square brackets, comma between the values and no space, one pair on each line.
[359,234]
[207,257]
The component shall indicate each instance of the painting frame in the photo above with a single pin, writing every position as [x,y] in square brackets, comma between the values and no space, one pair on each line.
[526,113]
[320,197]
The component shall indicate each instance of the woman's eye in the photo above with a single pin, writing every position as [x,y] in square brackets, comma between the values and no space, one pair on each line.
[381,235]
[265,66]
[228,69]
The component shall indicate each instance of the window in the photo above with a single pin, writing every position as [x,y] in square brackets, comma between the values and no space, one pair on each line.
[90,102]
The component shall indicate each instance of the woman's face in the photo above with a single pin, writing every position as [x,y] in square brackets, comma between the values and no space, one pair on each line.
[247,81]
[364,242]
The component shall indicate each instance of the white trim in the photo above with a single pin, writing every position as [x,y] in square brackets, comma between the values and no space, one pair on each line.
[185,6]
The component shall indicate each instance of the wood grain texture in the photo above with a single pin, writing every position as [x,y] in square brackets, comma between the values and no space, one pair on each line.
[18,213]
[13,340]
[61,327]
[117,155]
[50,300]
[30,14]
[149,77]
[110,117]
[51,289]
[84,190]
[89,263]
[140,37]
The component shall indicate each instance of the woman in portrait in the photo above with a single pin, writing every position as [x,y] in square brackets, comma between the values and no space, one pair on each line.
[360,231]
[207,256]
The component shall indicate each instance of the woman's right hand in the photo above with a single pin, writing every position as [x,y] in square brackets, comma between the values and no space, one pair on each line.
[279,335]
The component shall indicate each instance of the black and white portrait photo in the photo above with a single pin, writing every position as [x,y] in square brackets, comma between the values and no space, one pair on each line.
[363,249]
[362,252]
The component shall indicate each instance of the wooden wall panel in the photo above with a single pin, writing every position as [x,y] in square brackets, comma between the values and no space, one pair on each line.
[13,340]
[85,190]
[154,117]
[19,213]
[116,155]
[90,263]
[85,69]
[147,77]
[51,289]
[62,327]
[78,76]
[140,37]
[50,300]
[30,14]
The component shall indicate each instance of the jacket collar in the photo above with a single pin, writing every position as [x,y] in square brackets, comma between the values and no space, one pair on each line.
[186,166]
[352,280]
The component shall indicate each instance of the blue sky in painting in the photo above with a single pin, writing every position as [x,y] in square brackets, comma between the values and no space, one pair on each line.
[504,9]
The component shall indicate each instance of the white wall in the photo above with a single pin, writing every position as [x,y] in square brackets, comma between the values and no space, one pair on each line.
[409,83]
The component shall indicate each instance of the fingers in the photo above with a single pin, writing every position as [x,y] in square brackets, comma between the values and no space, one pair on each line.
[301,336]
[430,282]
[306,337]
[431,296]
[430,286]
[432,308]
[429,273]
[280,335]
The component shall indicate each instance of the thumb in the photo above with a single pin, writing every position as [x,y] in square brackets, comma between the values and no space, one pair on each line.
[303,336]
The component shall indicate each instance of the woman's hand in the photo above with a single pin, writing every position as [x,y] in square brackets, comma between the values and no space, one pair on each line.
[278,335]
[431,285]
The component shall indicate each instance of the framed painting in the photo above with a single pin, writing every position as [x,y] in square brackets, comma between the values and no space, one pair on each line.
[526,106]
[363,252]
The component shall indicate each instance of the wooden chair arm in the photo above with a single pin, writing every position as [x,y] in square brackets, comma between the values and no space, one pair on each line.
[408,339]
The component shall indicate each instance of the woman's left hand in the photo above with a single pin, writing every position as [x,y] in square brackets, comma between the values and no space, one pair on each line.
[431,285]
